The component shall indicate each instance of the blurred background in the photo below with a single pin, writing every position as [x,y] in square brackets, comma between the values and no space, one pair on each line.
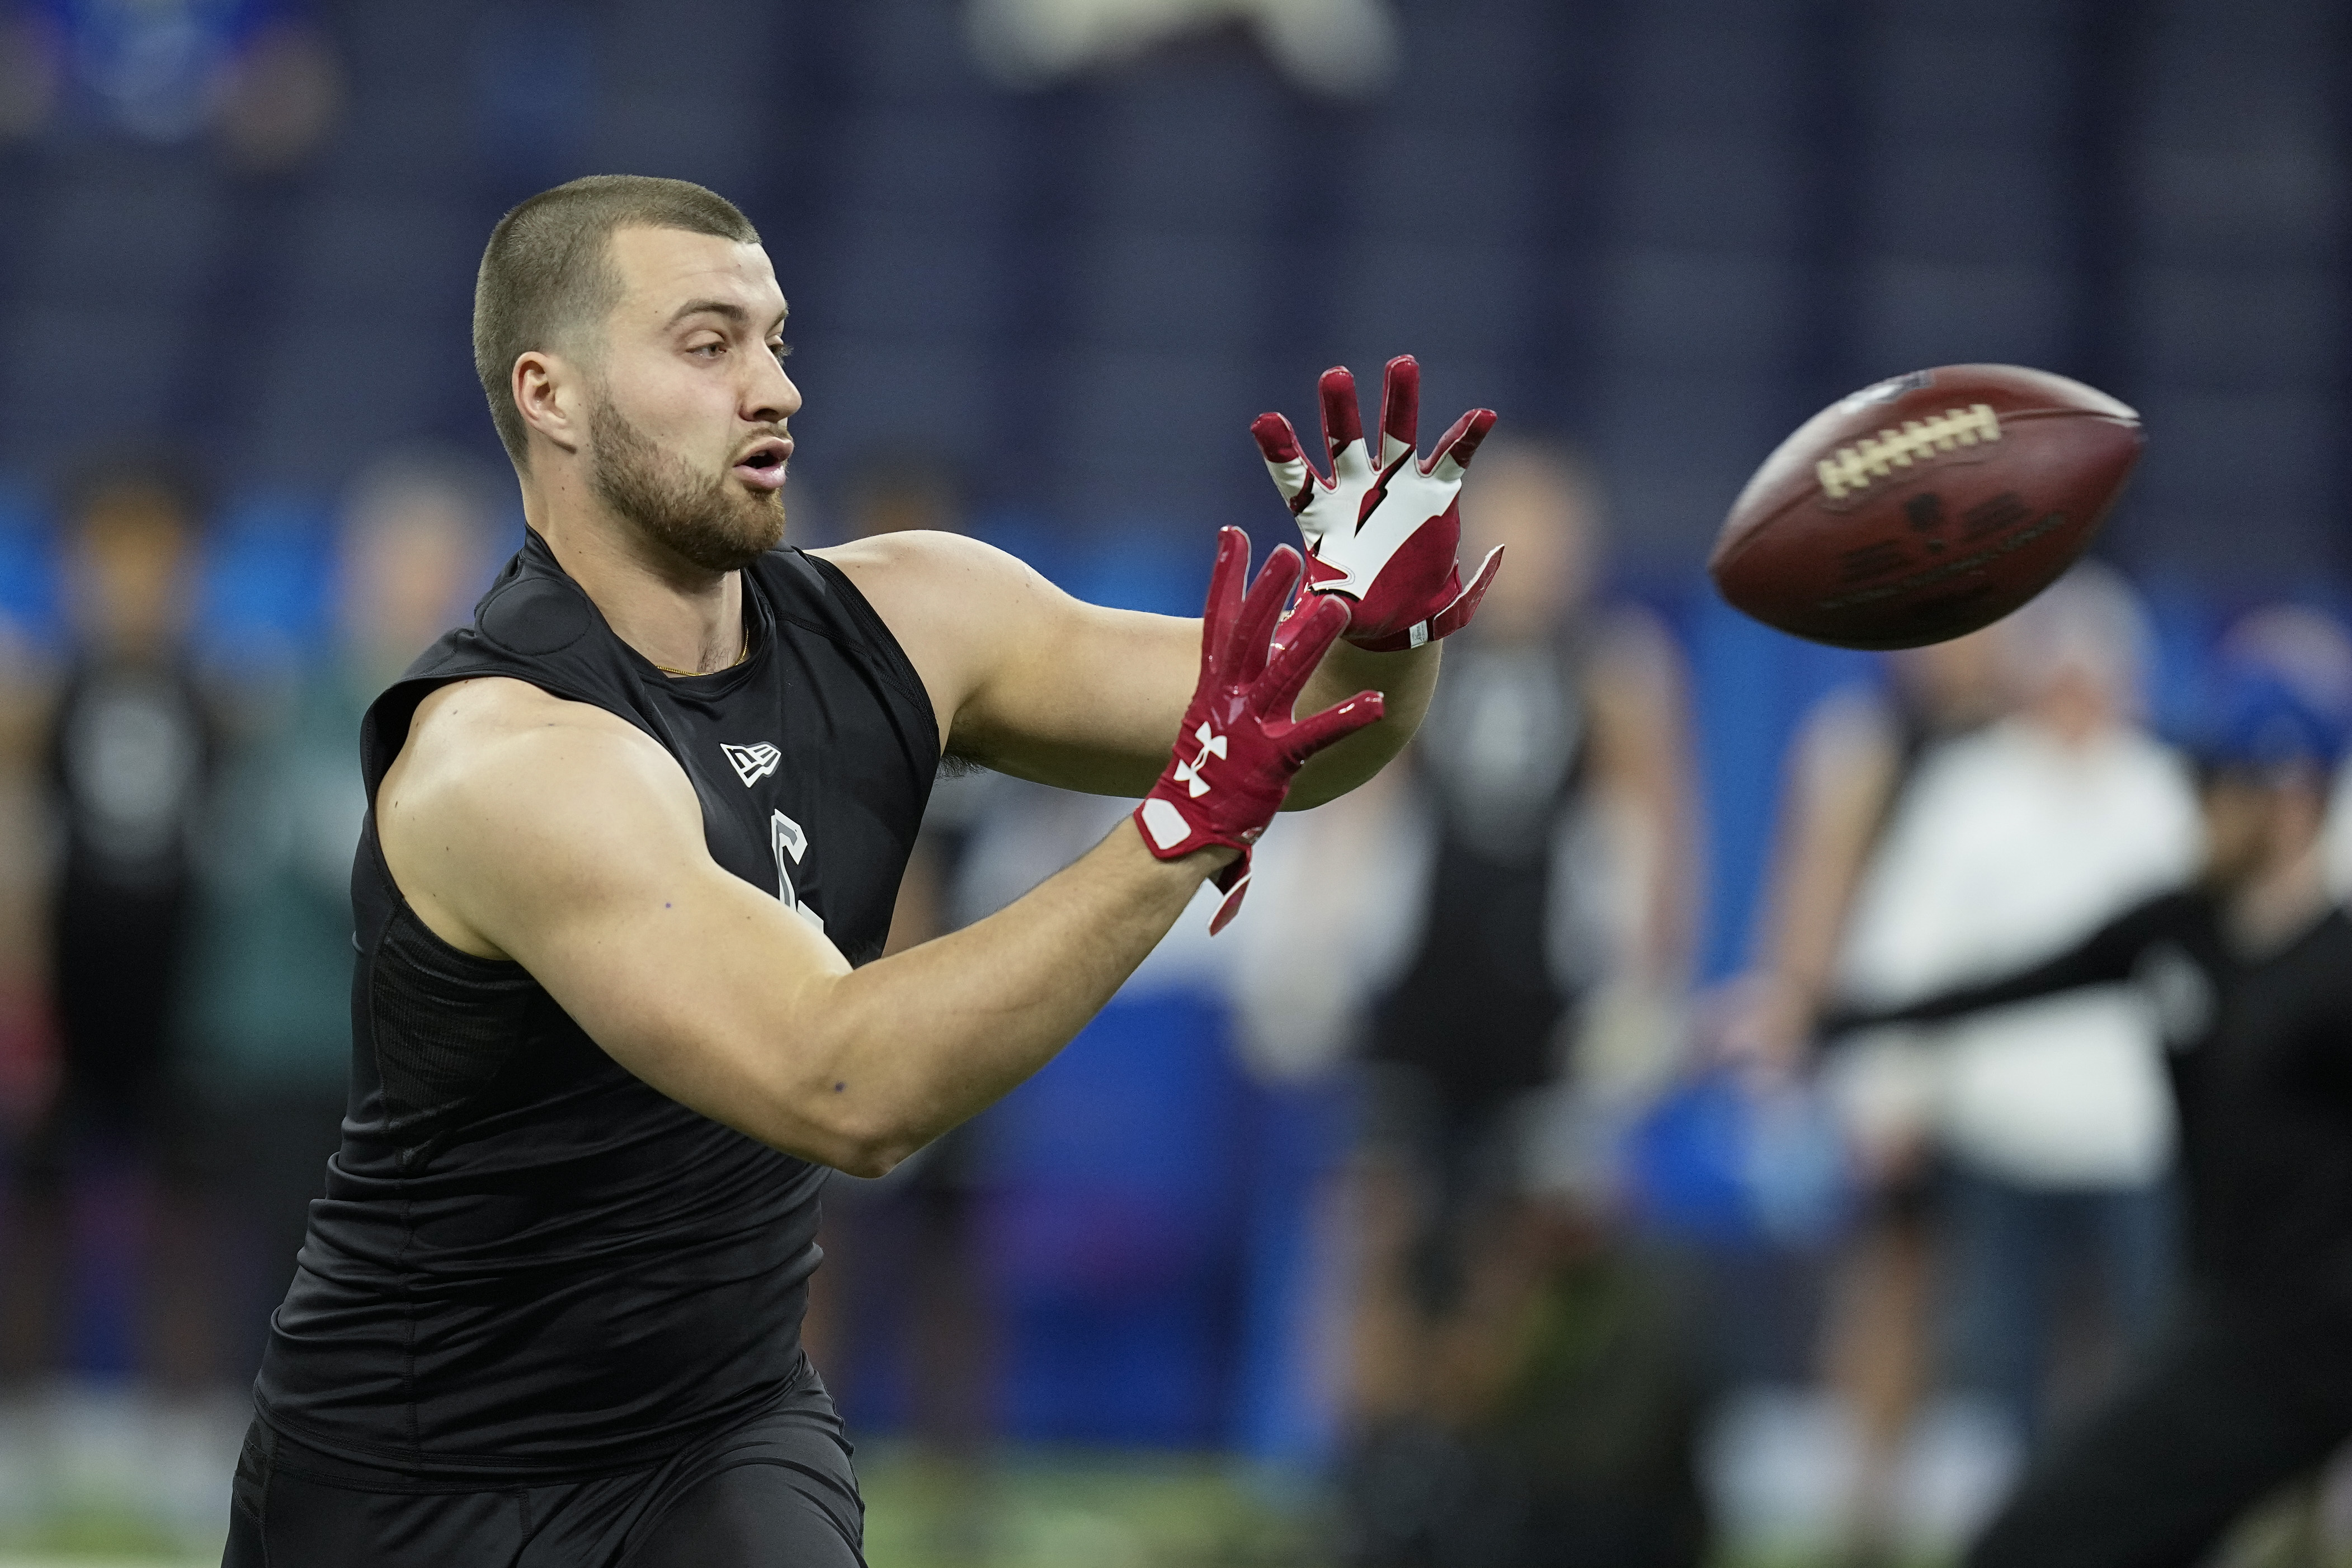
[1481,1193]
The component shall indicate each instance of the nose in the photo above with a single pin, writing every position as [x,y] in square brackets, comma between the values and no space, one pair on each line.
[773,398]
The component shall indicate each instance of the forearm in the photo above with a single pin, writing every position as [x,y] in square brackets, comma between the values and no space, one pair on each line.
[2105,959]
[1405,680]
[919,1041]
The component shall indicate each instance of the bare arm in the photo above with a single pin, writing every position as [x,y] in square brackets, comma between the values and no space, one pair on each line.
[1029,681]
[1840,778]
[704,985]
[1842,774]
[1640,757]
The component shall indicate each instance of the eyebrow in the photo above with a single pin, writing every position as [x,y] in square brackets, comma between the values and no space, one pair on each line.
[727,308]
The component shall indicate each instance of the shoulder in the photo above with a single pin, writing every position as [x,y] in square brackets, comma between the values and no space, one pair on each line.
[495,749]
[929,571]
[1627,643]
[507,803]
[1848,736]
[947,599]
[965,613]
[2001,755]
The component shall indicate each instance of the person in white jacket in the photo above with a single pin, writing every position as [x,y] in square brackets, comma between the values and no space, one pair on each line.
[2053,1118]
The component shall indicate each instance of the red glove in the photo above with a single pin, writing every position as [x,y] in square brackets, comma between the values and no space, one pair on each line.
[1238,747]
[1382,536]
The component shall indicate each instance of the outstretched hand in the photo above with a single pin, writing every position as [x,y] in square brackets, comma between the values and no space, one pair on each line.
[1238,747]
[1382,535]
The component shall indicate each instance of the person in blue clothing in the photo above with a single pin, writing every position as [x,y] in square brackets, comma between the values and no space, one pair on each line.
[2249,971]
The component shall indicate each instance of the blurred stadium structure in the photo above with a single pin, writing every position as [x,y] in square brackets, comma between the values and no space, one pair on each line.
[1063,249]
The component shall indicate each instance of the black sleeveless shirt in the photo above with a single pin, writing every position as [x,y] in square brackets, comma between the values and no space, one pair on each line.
[528,1262]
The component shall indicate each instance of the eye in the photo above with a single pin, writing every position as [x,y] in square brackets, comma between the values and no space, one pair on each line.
[710,351]
[781,349]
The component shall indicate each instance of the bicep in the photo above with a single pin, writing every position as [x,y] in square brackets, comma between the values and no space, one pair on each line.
[699,983]
[696,981]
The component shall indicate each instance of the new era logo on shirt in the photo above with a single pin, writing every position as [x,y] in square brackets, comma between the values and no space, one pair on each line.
[752,763]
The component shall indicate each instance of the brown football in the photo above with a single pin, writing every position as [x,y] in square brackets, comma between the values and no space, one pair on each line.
[1925,507]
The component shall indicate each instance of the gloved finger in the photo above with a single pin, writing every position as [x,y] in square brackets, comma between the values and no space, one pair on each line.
[1343,427]
[1293,475]
[1305,638]
[1455,447]
[1268,597]
[1226,599]
[1333,724]
[1456,615]
[1400,408]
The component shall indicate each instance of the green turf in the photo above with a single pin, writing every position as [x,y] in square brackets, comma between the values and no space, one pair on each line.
[1047,1508]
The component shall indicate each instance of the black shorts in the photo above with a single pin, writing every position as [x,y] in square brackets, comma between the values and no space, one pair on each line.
[776,1491]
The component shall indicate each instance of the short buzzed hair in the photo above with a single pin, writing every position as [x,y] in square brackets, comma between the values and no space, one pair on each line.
[547,271]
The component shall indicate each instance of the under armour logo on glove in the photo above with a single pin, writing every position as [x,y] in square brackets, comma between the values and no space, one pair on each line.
[1188,773]
[1238,723]
[1384,535]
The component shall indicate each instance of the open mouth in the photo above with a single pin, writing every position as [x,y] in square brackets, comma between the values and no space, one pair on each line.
[764,467]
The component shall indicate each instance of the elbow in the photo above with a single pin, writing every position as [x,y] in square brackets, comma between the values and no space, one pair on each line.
[859,1145]
[868,1164]
[875,1159]
[874,1155]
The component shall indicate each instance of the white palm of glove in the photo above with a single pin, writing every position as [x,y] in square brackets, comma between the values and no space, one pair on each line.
[1382,535]
[1368,514]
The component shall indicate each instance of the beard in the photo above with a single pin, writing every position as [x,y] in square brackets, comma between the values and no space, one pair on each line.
[712,522]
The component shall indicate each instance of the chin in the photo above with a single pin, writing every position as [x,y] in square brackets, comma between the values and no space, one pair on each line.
[763,520]
[731,539]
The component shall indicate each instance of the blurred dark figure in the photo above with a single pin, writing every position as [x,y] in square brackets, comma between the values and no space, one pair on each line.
[1559,1429]
[1495,1326]
[273,997]
[112,1221]
[2249,972]
[1554,775]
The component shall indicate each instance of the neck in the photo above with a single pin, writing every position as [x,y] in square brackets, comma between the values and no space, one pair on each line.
[2280,901]
[684,619]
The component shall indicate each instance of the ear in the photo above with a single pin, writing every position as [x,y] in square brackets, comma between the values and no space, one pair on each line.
[551,393]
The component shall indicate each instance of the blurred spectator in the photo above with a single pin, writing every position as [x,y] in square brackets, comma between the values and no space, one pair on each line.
[29,71]
[2248,974]
[259,75]
[1342,48]
[273,1002]
[1552,771]
[1553,933]
[1329,926]
[2010,842]
[1854,763]
[131,749]
[280,96]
